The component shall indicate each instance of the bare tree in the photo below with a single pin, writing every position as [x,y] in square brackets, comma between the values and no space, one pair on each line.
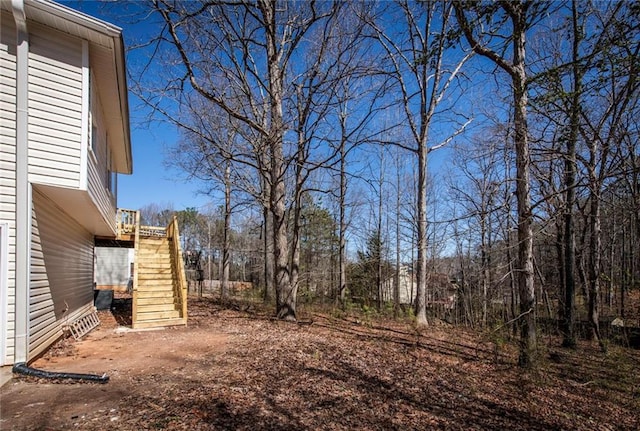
[616,91]
[478,190]
[216,153]
[521,15]
[415,43]
[239,58]
[396,283]
[336,59]
[157,214]
[568,85]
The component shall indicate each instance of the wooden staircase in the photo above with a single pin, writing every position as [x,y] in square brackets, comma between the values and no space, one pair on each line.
[159,283]
[159,290]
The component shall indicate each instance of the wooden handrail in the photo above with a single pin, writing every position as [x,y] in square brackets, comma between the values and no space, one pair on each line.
[173,233]
[136,245]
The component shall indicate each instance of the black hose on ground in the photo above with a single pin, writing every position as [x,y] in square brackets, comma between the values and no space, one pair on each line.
[23,368]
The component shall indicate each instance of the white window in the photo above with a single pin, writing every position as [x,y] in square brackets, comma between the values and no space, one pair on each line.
[94,139]
[112,176]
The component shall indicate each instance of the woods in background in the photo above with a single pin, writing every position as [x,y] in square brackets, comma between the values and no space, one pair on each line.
[361,151]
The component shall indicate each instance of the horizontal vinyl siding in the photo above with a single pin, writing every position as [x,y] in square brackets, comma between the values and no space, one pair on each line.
[55,108]
[97,166]
[98,189]
[61,273]
[8,168]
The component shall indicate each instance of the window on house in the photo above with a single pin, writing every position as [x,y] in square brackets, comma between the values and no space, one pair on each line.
[94,139]
[113,183]
[112,176]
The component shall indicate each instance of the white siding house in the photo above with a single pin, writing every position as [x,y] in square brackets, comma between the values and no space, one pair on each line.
[64,136]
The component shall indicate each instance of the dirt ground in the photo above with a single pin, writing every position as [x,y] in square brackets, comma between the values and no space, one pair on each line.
[235,368]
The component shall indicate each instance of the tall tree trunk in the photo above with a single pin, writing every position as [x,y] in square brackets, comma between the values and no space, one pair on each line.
[518,14]
[396,284]
[568,335]
[421,301]
[559,247]
[484,265]
[269,263]
[379,260]
[595,245]
[342,288]
[633,262]
[285,293]
[596,179]
[226,240]
[513,285]
[523,183]
[624,271]
[297,218]
[507,197]
[611,297]
[525,242]
[423,82]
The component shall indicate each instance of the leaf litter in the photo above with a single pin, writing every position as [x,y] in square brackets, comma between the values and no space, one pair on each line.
[236,368]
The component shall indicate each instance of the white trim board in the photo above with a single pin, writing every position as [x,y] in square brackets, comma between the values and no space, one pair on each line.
[4,289]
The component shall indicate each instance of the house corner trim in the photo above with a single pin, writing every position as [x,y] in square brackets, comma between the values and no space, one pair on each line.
[23,189]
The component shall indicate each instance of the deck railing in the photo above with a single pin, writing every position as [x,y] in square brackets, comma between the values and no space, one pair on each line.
[127,220]
[153,231]
[129,225]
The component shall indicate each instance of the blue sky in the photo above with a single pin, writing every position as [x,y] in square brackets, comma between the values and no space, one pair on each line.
[152,181]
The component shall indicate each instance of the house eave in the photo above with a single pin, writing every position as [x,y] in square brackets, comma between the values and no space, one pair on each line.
[79,205]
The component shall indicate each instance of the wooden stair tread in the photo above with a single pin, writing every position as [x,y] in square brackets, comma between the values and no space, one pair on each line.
[158,315]
[158,323]
[154,265]
[155,282]
[150,276]
[153,250]
[154,294]
[157,300]
[153,239]
[147,294]
[151,254]
[157,308]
